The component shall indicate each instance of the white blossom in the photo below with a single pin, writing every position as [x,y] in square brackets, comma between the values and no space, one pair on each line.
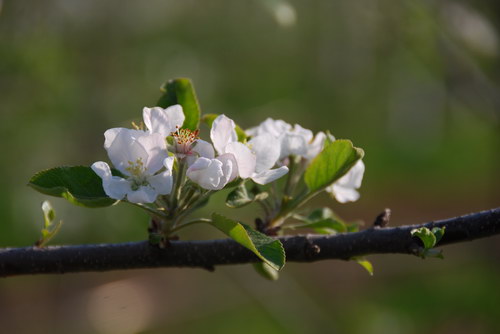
[253,160]
[294,140]
[139,156]
[168,122]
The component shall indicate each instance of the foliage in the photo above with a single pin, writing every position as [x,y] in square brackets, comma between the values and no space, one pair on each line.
[429,239]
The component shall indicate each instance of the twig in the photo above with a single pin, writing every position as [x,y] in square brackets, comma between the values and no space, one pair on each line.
[207,254]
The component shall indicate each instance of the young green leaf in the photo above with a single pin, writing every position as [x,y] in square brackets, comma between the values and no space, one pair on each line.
[266,248]
[241,196]
[181,91]
[208,119]
[49,229]
[429,239]
[438,232]
[266,271]
[365,264]
[336,159]
[80,185]
[426,236]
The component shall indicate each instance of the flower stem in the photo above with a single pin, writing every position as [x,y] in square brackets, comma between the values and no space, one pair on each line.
[177,187]
[192,206]
[292,179]
[289,207]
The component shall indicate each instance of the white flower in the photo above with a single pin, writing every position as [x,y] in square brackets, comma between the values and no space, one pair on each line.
[294,140]
[274,127]
[163,121]
[187,145]
[139,156]
[344,190]
[168,122]
[225,140]
[254,160]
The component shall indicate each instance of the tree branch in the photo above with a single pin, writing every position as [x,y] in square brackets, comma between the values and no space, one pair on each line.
[207,254]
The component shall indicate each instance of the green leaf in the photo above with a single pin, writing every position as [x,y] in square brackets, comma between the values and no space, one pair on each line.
[426,236]
[320,214]
[354,226]
[266,248]
[181,91]
[336,159]
[241,196]
[78,184]
[438,232]
[323,221]
[208,119]
[365,264]
[327,226]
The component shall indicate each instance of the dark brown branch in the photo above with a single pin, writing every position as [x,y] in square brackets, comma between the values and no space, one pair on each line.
[207,254]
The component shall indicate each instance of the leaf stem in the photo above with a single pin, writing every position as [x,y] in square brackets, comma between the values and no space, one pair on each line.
[189,223]
[290,206]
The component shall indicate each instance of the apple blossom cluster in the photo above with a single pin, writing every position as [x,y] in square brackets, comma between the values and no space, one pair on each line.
[145,157]
[165,167]
[299,142]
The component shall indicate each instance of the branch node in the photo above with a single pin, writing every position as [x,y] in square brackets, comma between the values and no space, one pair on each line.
[383,218]
[310,248]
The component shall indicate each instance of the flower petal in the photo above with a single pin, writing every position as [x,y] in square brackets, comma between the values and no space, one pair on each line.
[267,151]
[244,157]
[316,146]
[124,148]
[292,144]
[156,148]
[269,175]
[169,163]
[354,176]
[274,127]
[114,186]
[102,169]
[163,121]
[145,194]
[222,133]
[343,194]
[229,167]
[162,182]
[304,133]
[204,149]
[344,190]
[207,173]
[110,135]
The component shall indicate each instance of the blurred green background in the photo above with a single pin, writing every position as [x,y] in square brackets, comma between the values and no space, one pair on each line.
[414,83]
